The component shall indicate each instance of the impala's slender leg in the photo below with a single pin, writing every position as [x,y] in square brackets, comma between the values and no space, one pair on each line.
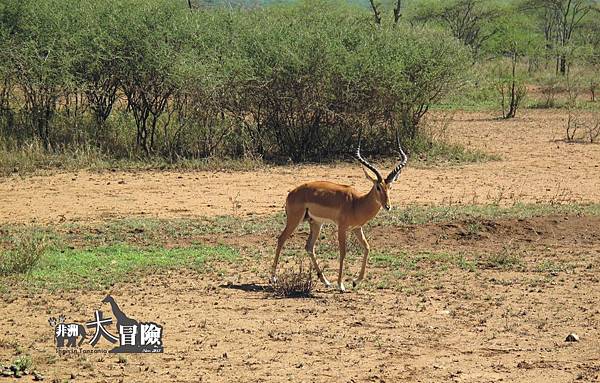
[315,229]
[360,235]
[342,245]
[294,217]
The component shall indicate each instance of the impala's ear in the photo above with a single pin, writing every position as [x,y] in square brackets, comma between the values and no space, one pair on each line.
[368,175]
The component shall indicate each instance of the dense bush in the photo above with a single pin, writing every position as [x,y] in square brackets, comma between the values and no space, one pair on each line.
[146,78]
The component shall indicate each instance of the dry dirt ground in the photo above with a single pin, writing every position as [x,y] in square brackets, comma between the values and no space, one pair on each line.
[498,310]
[535,167]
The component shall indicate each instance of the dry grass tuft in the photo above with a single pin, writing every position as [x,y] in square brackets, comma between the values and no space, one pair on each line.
[294,283]
[24,254]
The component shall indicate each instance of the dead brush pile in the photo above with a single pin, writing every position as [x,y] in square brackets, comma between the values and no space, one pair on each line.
[294,283]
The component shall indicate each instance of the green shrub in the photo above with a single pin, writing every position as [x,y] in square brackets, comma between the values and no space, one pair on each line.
[320,74]
[24,253]
[40,50]
[151,78]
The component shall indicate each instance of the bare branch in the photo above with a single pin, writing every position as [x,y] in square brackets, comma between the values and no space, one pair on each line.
[398,11]
[376,12]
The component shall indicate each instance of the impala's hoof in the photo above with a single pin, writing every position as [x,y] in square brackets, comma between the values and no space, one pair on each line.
[341,288]
[324,280]
[355,282]
[273,279]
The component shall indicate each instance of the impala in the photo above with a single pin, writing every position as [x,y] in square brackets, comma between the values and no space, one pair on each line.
[321,201]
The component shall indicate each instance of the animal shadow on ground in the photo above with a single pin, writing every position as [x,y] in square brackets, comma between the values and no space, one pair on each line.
[249,287]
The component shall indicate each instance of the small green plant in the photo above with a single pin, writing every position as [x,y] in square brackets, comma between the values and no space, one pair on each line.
[24,255]
[466,264]
[505,259]
[21,366]
[474,229]
[23,362]
[549,266]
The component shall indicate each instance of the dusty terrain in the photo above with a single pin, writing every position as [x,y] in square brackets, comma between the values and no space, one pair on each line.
[482,301]
[535,167]
[431,324]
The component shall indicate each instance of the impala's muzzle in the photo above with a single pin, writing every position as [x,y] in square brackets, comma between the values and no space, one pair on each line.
[387,207]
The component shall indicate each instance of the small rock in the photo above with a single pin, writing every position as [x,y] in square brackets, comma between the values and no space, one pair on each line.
[37,376]
[572,338]
[7,373]
[73,375]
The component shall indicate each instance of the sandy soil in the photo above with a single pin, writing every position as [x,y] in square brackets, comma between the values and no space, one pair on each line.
[436,322]
[431,325]
[535,167]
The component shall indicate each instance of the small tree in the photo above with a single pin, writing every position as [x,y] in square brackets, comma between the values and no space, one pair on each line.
[376,6]
[6,81]
[589,39]
[561,18]
[513,41]
[148,71]
[40,52]
[471,21]
[95,68]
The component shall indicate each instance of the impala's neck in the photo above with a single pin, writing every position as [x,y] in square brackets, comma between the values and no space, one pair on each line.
[368,204]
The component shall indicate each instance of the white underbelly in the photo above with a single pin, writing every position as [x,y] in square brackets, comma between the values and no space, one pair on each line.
[320,220]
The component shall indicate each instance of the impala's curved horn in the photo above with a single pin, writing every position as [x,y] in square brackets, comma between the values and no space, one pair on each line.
[365,162]
[394,174]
